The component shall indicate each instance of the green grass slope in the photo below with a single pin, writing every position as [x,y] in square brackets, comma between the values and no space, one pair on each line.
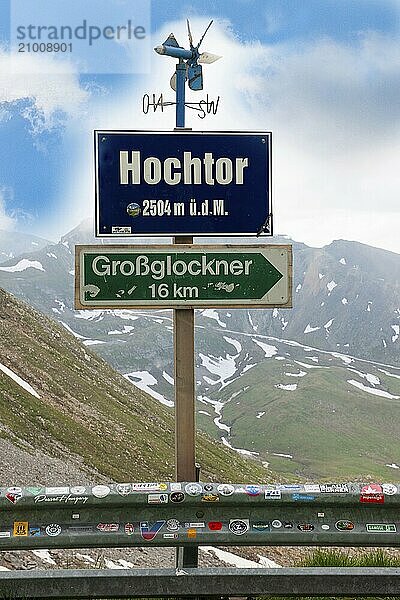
[330,428]
[86,412]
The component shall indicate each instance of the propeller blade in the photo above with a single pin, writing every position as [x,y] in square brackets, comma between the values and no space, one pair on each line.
[172,81]
[171,41]
[207,58]
[190,35]
[204,34]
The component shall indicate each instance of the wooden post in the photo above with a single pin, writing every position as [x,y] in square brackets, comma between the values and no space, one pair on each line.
[185,406]
[184,389]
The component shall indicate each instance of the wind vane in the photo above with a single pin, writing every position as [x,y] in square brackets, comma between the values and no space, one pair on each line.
[188,69]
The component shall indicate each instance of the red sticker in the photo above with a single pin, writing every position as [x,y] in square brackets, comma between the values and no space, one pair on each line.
[371,488]
[373,498]
[215,525]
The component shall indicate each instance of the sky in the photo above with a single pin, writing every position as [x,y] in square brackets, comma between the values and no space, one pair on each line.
[322,75]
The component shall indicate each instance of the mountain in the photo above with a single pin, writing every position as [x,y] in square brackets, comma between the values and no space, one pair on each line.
[300,409]
[13,244]
[67,416]
[345,320]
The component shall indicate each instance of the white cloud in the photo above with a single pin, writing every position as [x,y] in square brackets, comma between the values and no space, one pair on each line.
[46,91]
[334,114]
[7,222]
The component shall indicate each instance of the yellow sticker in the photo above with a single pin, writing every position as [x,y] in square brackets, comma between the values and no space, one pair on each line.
[163,486]
[191,533]
[21,528]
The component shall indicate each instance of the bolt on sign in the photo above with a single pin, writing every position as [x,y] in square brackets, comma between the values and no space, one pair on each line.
[182,183]
[183,276]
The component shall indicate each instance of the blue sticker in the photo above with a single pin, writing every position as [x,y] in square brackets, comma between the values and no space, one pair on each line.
[303,497]
[149,533]
[252,490]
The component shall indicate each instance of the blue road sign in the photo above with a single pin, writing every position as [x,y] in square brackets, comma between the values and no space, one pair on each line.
[183,183]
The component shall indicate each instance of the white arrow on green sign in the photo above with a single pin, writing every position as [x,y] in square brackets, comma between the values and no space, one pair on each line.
[183,276]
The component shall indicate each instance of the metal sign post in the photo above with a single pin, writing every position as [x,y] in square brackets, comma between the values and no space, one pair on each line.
[183,184]
[185,428]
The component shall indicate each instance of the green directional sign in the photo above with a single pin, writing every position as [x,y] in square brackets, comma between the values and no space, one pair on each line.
[184,275]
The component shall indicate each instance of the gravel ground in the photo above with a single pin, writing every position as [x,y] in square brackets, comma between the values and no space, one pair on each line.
[27,466]
[115,558]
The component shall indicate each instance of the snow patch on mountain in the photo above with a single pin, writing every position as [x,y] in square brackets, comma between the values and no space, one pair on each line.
[168,378]
[372,379]
[389,374]
[299,374]
[282,455]
[144,380]
[308,366]
[21,382]
[254,327]
[342,261]
[238,450]
[373,391]
[331,286]
[346,359]
[224,368]
[235,343]
[310,329]
[88,315]
[217,406]
[44,555]
[396,329]
[124,330]
[212,314]
[22,265]
[248,367]
[290,387]
[267,348]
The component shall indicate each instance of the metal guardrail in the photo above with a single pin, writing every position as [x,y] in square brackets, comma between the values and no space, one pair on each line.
[186,515]
[156,583]
[192,514]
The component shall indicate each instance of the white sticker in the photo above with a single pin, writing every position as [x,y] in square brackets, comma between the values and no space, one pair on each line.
[121,229]
[175,487]
[225,489]
[78,490]
[276,523]
[193,489]
[313,488]
[157,498]
[100,491]
[124,489]
[56,491]
[53,530]
[274,494]
[389,489]
[238,526]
